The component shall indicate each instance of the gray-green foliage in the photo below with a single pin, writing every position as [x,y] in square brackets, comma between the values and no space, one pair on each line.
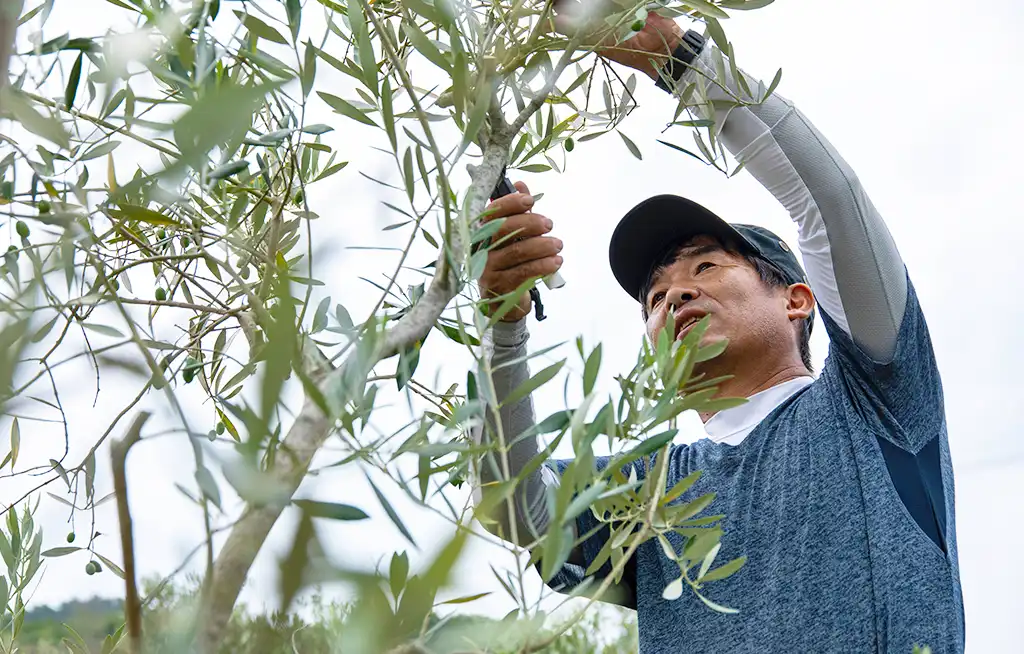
[160,175]
[657,390]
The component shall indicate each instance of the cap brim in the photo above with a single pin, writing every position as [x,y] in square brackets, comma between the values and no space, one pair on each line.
[650,228]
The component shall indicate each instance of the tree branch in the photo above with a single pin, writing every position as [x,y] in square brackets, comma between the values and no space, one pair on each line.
[312,427]
[118,454]
[99,122]
[201,308]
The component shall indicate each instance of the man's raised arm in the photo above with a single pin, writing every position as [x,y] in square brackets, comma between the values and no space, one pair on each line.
[851,259]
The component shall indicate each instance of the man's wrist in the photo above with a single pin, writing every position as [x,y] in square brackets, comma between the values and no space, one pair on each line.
[685,52]
[510,334]
[650,63]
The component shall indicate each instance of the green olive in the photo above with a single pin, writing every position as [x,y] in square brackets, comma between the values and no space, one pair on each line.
[43,206]
[569,145]
[220,428]
[188,373]
[185,241]
[244,272]
[71,537]
[638,25]
[161,234]
[160,294]
[22,228]
[299,197]
[116,285]
[89,569]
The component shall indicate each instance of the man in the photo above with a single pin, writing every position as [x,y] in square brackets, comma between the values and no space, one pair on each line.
[838,488]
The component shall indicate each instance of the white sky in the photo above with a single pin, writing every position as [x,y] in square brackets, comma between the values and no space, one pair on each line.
[920,97]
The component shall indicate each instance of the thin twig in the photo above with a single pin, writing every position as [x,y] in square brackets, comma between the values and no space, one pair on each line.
[421,115]
[202,308]
[99,122]
[118,454]
[538,100]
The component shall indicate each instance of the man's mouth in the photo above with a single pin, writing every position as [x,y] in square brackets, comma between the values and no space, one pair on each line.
[686,323]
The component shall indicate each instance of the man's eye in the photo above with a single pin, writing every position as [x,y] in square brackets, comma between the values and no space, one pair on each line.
[657,298]
[704,266]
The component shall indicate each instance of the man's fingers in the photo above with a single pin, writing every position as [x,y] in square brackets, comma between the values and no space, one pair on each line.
[522,252]
[534,269]
[573,18]
[500,282]
[524,225]
[509,205]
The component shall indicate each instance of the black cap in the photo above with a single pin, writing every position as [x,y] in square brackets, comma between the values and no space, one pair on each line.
[651,228]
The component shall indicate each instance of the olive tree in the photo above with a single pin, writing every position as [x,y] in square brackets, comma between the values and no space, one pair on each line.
[158,176]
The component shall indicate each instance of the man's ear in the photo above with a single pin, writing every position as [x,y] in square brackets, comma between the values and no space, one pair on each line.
[800,302]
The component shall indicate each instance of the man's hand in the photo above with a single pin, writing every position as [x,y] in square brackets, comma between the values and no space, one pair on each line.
[523,251]
[656,41]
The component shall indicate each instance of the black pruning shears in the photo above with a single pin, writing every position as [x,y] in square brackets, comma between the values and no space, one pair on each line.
[554,281]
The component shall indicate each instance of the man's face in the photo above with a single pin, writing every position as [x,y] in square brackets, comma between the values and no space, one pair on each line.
[706,280]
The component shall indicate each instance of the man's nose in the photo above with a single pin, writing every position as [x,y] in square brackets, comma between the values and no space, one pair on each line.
[679,296]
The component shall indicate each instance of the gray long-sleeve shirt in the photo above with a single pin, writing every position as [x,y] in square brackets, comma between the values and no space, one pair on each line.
[873,421]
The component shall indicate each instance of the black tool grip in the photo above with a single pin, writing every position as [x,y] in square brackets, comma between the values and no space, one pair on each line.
[504,187]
